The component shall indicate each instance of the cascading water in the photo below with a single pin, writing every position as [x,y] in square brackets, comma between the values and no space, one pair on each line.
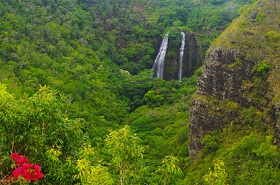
[159,61]
[181,55]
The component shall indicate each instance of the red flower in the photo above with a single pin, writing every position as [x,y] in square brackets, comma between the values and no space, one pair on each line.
[14,156]
[17,172]
[37,176]
[26,166]
[9,178]
[40,175]
[21,160]
[27,171]
[37,168]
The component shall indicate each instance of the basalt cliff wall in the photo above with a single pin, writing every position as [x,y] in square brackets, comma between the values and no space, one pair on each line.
[192,58]
[240,80]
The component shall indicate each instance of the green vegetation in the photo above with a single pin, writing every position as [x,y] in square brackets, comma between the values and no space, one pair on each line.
[169,170]
[79,99]
[218,176]
[38,126]
[262,68]
[237,65]
[125,153]
[245,145]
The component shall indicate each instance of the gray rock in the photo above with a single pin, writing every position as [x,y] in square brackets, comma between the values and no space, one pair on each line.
[221,82]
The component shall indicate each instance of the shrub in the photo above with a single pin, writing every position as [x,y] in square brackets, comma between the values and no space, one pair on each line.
[273,36]
[262,68]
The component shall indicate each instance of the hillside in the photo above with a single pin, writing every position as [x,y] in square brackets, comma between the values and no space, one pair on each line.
[234,114]
[78,97]
[79,47]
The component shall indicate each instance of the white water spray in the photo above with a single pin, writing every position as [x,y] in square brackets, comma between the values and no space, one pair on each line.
[159,61]
[183,36]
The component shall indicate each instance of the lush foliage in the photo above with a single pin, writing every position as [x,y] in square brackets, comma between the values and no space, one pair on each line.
[218,176]
[125,153]
[77,71]
[34,126]
[90,170]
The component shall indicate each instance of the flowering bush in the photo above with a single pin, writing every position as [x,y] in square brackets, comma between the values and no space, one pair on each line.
[20,160]
[24,170]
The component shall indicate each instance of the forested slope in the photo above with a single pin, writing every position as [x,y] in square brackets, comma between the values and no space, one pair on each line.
[80,47]
[75,72]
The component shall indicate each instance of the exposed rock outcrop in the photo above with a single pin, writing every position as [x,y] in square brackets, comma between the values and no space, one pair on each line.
[221,79]
[222,75]
[235,81]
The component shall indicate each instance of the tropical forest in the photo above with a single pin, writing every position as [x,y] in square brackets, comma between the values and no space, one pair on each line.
[140,92]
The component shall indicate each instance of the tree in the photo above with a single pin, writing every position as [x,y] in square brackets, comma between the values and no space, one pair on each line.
[33,126]
[126,154]
[169,170]
[218,176]
[91,172]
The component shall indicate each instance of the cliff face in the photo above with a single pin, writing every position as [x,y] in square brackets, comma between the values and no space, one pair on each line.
[222,75]
[193,55]
[192,59]
[220,81]
[240,76]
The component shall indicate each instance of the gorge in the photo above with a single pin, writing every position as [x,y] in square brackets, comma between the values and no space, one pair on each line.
[77,97]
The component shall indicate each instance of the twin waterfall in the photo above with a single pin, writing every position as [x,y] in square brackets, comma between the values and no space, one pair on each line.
[183,36]
[159,61]
[158,66]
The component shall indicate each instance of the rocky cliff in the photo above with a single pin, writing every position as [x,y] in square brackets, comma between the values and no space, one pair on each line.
[240,81]
[192,59]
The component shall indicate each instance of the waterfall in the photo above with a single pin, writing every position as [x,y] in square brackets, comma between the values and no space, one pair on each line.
[159,61]
[181,55]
